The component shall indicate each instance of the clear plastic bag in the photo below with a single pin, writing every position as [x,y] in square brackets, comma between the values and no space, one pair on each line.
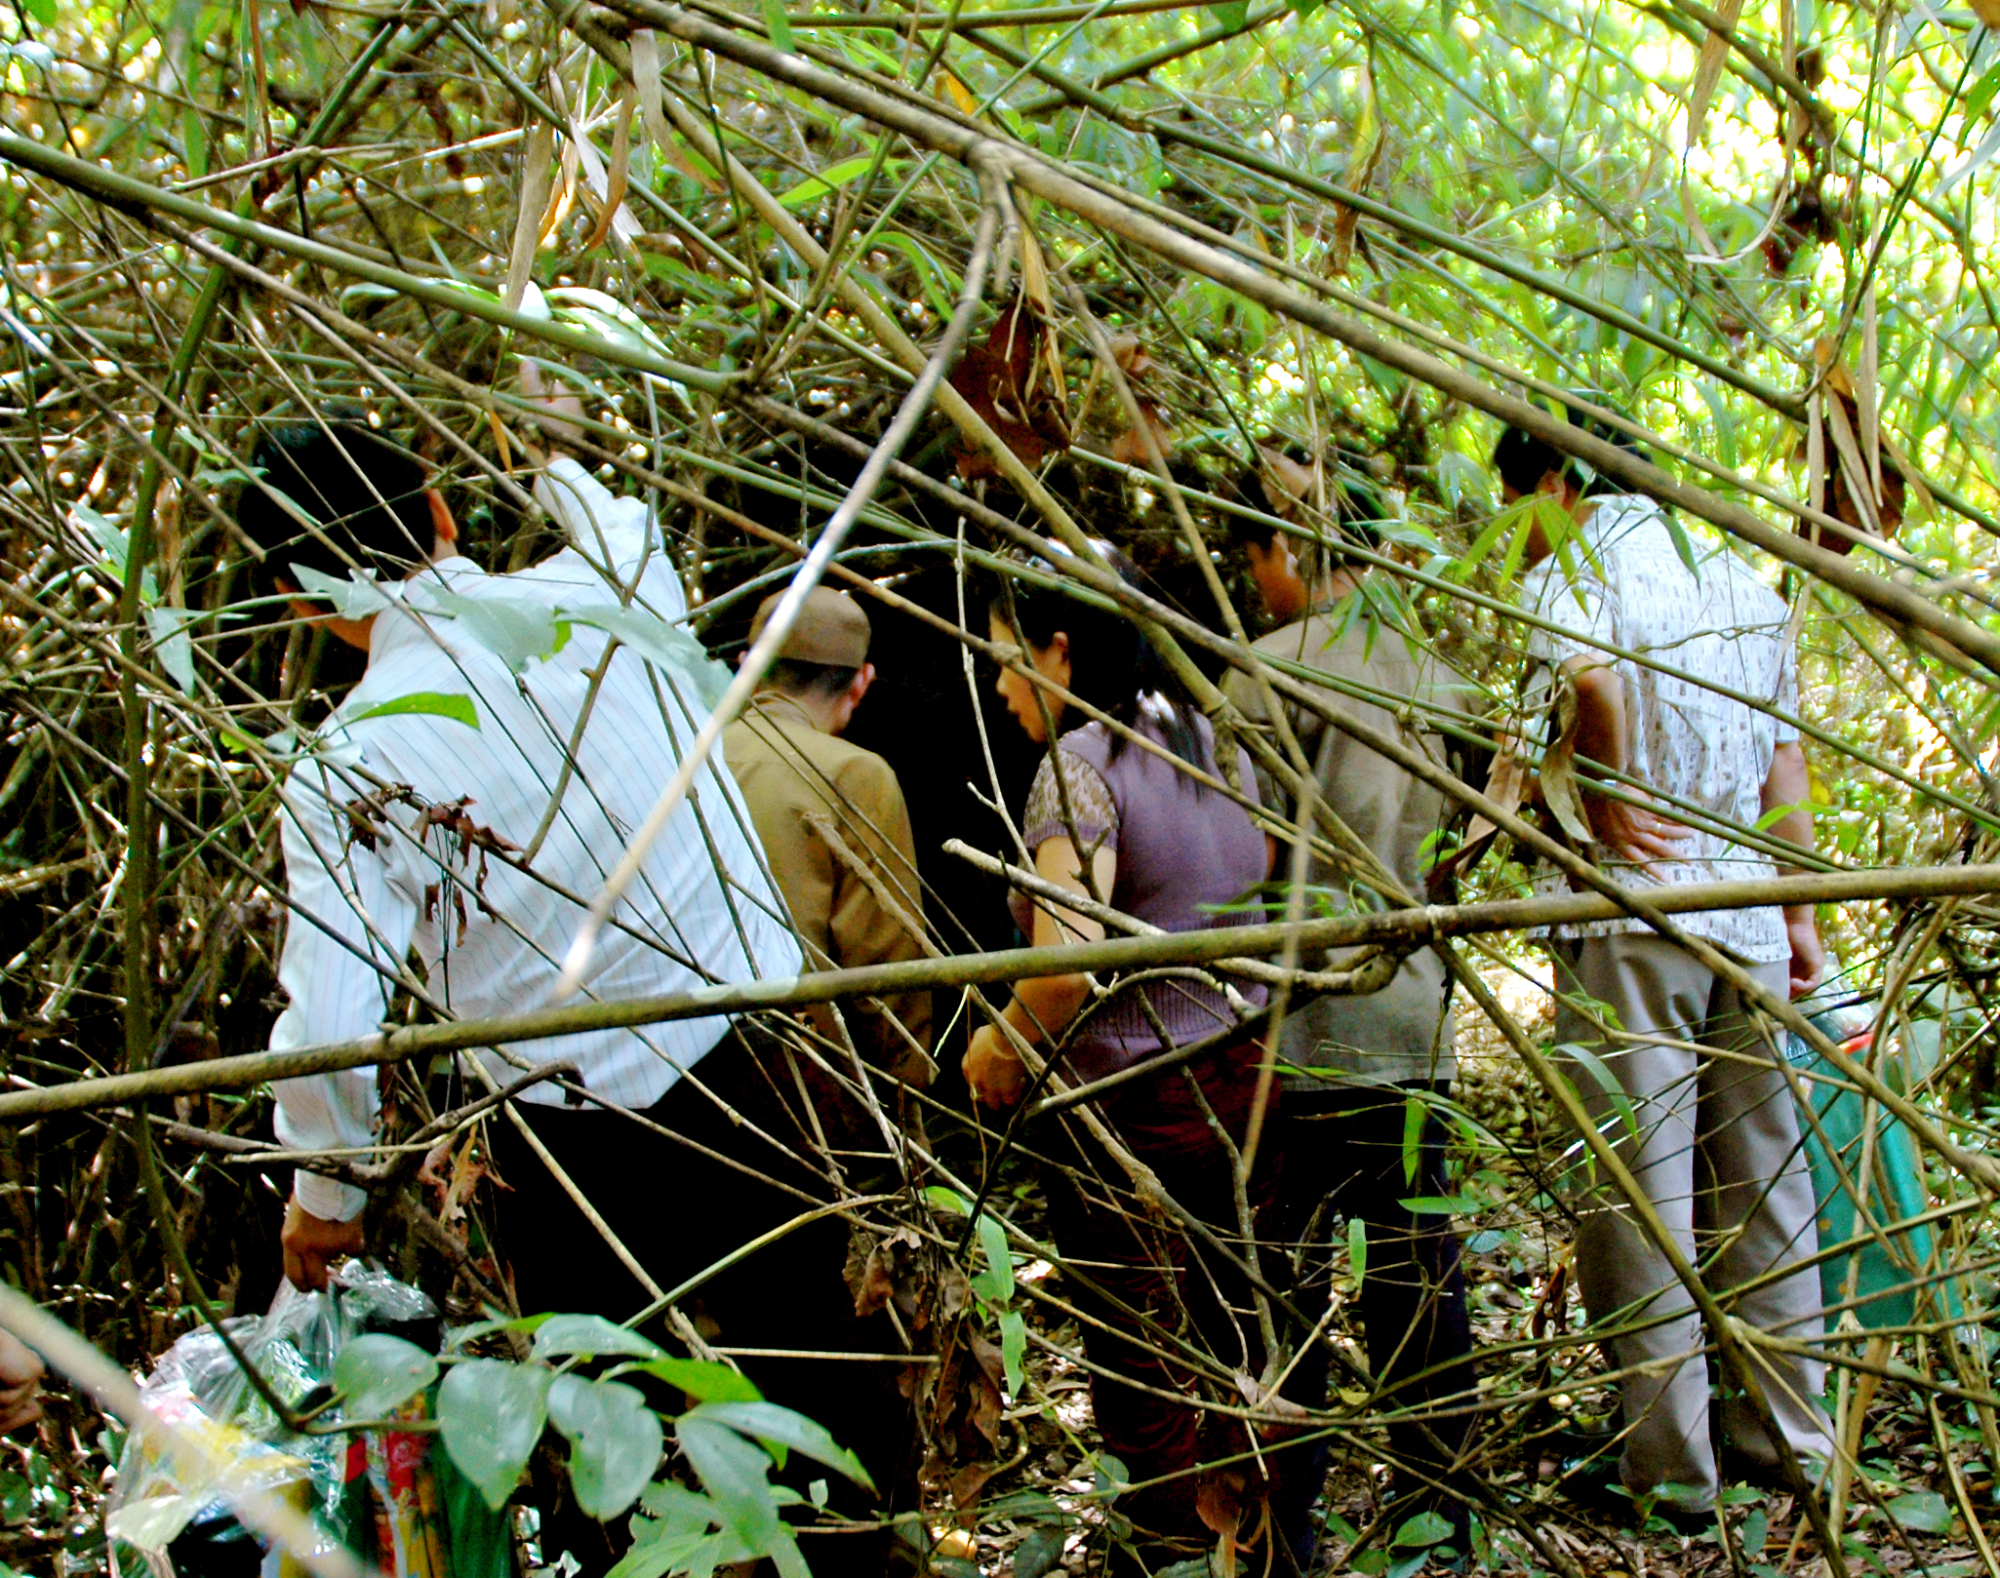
[391,1497]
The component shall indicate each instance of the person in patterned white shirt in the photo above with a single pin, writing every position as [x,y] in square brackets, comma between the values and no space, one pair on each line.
[1684,681]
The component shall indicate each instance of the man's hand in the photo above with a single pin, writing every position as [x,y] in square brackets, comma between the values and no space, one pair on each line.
[1632,831]
[312,1244]
[20,1382]
[993,1069]
[1808,952]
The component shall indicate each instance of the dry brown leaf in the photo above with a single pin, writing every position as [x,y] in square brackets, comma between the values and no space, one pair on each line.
[535,183]
[969,1481]
[1007,382]
[1361,161]
[619,173]
[1129,447]
[563,197]
[1708,70]
[1131,355]
[1292,477]
[1559,786]
[1851,495]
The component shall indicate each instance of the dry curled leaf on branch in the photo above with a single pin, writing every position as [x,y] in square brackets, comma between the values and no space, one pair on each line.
[1015,382]
[1852,496]
[1365,154]
[1560,790]
[470,835]
[969,1396]
[1810,219]
[892,1270]
[959,1406]
[451,1172]
[368,814]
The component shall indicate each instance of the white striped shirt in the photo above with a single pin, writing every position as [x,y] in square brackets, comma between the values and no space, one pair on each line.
[376,861]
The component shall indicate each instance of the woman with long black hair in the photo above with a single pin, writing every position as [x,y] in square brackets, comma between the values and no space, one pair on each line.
[1119,813]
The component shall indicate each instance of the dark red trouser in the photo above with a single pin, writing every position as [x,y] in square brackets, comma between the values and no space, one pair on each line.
[1154,1285]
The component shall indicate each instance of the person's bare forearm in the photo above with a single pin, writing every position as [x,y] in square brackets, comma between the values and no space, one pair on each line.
[1600,715]
[1788,787]
[1043,1005]
[1789,784]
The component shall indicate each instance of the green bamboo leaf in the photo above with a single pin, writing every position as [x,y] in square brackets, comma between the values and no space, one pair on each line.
[1014,1351]
[171,643]
[704,1379]
[770,1423]
[735,1472]
[1441,1205]
[517,630]
[1923,1511]
[1982,93]
[832,178]
[779,26]
[995,1283]
[1607,1082]
[458,708]
[354,596]
[1426,1528]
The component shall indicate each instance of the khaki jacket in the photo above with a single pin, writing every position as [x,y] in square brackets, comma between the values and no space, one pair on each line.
[836,832]
[1401,1033]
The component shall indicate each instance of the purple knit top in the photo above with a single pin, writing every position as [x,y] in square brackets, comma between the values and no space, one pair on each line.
[1182,851]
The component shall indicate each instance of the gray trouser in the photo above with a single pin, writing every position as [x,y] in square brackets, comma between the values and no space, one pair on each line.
[1717,1153]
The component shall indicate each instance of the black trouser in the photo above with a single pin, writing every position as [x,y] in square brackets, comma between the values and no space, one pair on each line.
[678,1211]
[1153,1285]
[1344,1158]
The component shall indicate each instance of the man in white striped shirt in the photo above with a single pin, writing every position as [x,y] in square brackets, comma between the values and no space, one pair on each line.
[476,788]
[464,805]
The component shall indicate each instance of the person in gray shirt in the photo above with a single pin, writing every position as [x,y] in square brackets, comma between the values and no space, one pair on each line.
[1362,1063]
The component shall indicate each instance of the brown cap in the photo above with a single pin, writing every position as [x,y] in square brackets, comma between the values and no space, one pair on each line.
[832,629]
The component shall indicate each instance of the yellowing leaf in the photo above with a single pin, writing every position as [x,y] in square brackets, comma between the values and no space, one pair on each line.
[959,94]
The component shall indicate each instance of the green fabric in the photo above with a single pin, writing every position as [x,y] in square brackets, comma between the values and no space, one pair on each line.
[1890,1274]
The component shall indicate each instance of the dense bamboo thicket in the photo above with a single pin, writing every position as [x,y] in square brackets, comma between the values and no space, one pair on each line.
[920,295]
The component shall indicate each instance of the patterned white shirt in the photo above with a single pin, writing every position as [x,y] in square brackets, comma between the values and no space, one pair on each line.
[396,828]
[1625,585]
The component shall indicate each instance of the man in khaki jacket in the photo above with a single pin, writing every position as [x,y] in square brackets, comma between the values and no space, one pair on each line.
[834,826]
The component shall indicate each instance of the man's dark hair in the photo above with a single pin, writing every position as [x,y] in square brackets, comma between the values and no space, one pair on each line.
[1522,459]
[809,681]
[364,495]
